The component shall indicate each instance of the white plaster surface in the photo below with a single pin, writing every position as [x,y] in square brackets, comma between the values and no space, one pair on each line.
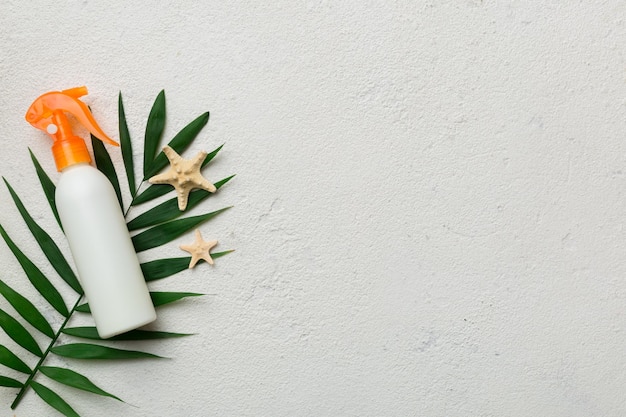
[428,210]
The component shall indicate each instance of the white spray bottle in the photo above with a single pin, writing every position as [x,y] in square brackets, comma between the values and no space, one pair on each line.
[108,268]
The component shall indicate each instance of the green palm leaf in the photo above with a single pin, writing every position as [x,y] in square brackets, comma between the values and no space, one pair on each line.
[49,248]
[168,210]
[127,147]
[53,399]
[83,308]
[152,192]
[163,268]
[19,334]
[48,186]
[211,155]
[154,130]
[105,165]
[74,379]
[91,351]
[166,232]
[26,309]
[158,299]
[180,142]
[10,382]
[158,190]
[10,359]
[36,277]
[162,298]
[92,333]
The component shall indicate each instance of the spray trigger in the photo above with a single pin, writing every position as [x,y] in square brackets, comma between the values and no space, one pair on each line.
[47,113]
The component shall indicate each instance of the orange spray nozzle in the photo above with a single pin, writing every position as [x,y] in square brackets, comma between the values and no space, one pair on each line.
[47,113]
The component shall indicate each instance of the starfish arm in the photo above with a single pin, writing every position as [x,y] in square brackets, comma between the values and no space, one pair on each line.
[207,258]
[187,248]
[171,154]
[194,260]
[183,197]
[205,185]
[165,178]
[208,245]
[197,160]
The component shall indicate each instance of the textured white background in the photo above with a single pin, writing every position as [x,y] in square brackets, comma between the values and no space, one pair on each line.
[429,207]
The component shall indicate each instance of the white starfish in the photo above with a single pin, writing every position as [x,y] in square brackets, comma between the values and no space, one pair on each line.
[199,249]
[184,175]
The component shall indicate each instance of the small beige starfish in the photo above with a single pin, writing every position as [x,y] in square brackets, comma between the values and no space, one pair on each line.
[184,175]
[200,249]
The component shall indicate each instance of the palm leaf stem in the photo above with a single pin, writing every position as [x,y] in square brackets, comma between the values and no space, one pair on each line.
[134,198]
[44,356]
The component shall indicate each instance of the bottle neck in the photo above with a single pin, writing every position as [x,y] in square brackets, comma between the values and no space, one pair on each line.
[75,166]
[70,151]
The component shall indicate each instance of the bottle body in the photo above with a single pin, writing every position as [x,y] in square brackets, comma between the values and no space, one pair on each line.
[108,268]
